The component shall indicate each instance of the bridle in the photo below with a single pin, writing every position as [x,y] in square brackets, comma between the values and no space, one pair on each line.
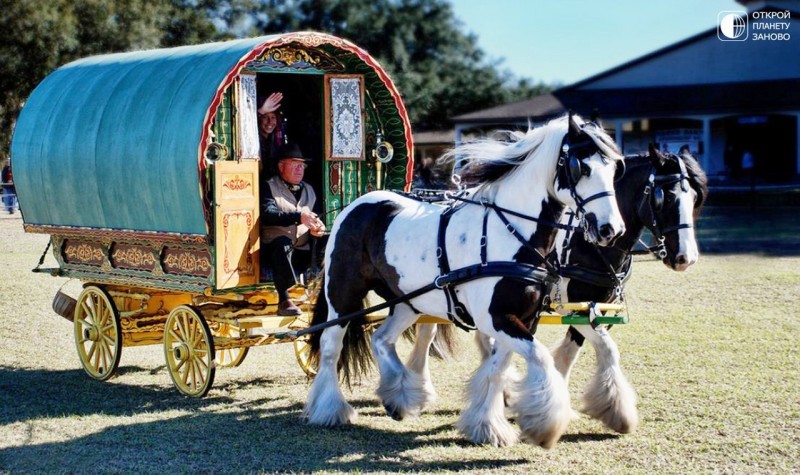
[570,164]
[653,197]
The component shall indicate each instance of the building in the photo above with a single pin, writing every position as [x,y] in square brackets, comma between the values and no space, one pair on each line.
[726,98]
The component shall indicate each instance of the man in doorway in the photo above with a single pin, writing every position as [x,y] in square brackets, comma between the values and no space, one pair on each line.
[289,217]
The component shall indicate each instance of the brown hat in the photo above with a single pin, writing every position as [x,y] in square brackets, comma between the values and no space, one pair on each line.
[291,151]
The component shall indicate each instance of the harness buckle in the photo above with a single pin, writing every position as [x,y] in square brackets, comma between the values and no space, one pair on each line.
[438,252]
[437,282]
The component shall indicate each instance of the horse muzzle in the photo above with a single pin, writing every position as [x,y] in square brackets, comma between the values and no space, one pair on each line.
[603,235]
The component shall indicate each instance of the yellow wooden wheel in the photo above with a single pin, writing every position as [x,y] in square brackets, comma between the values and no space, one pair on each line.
[189,351]
[231,357]
[302,346]
[97,333]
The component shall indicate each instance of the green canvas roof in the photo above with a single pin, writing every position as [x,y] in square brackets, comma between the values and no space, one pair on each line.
[114,141]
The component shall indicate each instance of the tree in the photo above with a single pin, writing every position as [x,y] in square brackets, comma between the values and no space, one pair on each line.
[37,36]
[440,71]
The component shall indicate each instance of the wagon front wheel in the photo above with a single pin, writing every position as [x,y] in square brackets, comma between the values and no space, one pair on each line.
[189,351]
[97,333]
[302,346]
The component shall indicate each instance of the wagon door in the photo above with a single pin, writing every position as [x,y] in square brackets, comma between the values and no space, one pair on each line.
[236,197]
[236,229]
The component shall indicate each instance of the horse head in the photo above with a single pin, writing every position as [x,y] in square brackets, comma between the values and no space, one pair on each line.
[584,180]
[677,189]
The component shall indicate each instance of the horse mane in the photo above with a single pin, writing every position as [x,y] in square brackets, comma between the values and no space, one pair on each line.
[486,161]
[697,178]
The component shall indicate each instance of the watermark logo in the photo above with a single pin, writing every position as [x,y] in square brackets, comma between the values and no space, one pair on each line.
[732,26]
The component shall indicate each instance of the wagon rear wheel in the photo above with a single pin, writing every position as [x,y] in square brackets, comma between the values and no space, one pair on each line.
[97,333]
[231,357]
[189,351]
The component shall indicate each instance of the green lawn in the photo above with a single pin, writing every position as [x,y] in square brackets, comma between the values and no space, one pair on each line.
[711,352]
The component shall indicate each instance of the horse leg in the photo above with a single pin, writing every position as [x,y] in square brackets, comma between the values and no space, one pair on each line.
[542,407]
[419,357]
[609,397]
[485,346]
[326,404]
[484,421]
[566,353]
[402,391]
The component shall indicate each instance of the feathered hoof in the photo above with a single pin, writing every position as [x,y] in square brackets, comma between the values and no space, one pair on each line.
[406,397]
[612,400]
[545,426]
[499,434]
[547,437]
[330,416]
[622,421]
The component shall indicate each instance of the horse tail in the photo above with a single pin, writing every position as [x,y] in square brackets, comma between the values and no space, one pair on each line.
[444,343]
[355,359]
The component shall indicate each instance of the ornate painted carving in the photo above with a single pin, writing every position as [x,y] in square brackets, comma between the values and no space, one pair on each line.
[237,183]
[129,256]
[186,261]
[229,220]
[83,252]
[296,56]
[116,234]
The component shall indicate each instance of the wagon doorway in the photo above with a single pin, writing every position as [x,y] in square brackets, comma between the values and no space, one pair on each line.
[301,116]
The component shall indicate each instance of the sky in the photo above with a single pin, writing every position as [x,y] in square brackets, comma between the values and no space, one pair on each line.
[564,41]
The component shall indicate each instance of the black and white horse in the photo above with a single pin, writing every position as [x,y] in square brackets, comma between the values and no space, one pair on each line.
[393,245]
[661,192]
[665,194]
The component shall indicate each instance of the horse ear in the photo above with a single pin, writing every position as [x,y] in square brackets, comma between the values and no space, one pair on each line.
[574,128]
[656,157]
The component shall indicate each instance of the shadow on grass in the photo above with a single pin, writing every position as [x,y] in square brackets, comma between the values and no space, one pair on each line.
[209,439]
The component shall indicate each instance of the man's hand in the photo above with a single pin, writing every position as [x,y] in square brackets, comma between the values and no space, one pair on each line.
[312,222]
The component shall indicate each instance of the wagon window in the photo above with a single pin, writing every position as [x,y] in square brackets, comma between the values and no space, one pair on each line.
[248,125]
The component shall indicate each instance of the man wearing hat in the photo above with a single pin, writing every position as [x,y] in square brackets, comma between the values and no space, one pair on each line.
[287,222]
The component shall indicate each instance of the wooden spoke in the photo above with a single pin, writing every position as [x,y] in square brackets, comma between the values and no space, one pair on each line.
[230,357]
[188,348]
[98,336]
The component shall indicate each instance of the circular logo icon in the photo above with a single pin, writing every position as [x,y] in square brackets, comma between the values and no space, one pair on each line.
[733,26]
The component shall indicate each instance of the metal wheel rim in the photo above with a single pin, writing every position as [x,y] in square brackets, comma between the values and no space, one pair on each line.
[189,351]
[97,333]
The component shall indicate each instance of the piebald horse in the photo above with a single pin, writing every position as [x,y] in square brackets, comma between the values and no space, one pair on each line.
[661,192]
[395,245]
[665,194]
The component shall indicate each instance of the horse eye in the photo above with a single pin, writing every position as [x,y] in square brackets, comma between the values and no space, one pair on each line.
[585,170]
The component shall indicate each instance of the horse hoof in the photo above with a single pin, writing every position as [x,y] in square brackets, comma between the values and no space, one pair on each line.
[394,412]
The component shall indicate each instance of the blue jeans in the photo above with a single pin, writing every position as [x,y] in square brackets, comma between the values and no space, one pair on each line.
[9,198]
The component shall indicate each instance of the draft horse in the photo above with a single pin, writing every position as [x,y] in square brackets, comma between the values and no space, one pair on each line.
[665,194]
[495,239]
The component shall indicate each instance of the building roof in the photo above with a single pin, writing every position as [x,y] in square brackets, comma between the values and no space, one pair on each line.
[698,75]
[435,137]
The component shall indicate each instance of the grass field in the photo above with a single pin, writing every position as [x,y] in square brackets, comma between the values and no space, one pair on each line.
[711,352]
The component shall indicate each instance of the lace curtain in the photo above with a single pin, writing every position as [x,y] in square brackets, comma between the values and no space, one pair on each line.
[347,125]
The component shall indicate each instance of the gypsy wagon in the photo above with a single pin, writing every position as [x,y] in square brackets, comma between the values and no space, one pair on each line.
[143,168]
